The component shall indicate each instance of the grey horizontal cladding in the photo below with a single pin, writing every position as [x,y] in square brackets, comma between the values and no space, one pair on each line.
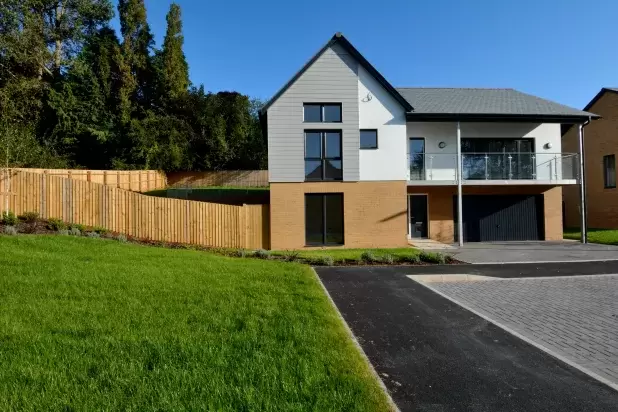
[333,78]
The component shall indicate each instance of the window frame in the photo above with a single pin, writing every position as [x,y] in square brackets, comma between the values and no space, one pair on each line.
[324,215]
[322,105]
[323,159]
[606,171]
[369,148]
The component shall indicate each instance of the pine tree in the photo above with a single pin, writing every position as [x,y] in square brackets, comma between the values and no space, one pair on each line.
[136,69]
[175,70]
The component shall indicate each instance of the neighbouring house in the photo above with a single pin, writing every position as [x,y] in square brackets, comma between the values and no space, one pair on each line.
[356,162]
[600,151]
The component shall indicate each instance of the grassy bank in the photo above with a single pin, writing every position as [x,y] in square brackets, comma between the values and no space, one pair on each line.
[92,324]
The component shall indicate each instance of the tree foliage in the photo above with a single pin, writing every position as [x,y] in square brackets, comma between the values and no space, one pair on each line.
[75,94]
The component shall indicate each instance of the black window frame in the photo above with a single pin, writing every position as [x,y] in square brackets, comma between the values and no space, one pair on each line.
[322,105]
[372,147]
[324,219]
[323,159]
[606,171]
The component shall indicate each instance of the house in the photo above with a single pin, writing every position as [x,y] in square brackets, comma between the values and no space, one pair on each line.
[600,151]
[356,162]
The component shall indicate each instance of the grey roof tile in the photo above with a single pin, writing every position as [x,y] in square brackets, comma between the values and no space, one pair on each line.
[473,101]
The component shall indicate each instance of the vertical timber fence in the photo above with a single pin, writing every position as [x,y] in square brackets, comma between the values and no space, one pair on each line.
[134,180]
[134,214]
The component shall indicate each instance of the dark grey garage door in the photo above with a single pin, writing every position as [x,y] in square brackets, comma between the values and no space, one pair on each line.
[488,218]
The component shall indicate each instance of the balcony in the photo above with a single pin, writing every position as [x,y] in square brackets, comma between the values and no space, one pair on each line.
[494,168]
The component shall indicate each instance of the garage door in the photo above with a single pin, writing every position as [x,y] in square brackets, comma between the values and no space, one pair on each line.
[501,218]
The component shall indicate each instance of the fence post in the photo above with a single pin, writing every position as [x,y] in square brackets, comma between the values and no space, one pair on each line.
[187,214]
[105,177]
[43,194]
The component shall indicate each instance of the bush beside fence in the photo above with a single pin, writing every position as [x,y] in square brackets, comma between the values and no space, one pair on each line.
[134,214]
[224,178]
[134,180]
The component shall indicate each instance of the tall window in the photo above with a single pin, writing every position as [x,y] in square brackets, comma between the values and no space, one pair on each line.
[322,113]
[417,158]
[609,171]
[323,155]
[324,219]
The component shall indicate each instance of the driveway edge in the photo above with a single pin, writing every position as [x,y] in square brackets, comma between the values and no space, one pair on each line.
[389,398]
[524,338]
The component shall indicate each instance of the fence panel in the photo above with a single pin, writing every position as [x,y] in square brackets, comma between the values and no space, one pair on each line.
[134,214]
[133,180]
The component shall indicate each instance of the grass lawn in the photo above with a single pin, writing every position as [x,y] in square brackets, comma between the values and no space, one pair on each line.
[352,255]
[93,324]
[604,236]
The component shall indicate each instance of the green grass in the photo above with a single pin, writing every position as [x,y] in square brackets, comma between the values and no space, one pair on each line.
[352,255]
[93,324]
[604,236]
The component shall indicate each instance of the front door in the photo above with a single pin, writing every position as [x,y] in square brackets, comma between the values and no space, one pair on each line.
[417,204]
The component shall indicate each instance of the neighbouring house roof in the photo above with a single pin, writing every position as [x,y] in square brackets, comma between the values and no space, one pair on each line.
[601,93]
[341,40]
[480,103]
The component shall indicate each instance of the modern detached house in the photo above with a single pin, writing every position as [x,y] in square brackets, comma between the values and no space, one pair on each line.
[354,161]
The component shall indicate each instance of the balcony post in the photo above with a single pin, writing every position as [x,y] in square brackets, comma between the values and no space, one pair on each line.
[486,167]
[459,188]
[510,167]
[582,187]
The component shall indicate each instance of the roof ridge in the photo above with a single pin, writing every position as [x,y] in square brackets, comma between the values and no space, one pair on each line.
[457,88]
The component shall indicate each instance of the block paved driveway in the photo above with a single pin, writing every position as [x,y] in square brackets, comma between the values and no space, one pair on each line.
[434,355]
[573,318]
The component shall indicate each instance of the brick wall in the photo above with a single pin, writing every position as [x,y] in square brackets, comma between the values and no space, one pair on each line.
[601,138]
[440,206]
[375,213]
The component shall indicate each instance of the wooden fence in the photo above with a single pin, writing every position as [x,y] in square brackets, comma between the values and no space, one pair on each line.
[242,178]
[134,180]
[135,214]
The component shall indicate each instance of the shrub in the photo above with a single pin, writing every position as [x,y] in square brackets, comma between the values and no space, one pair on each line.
[241,253]
[261,254]
[368,257]
[100,230]
[81,228]
[30,217]
[93,235]
[121,238]
[56,224]
[325,260]
[9,218]
[10,230]
[73,231]
[291,256]
[415,259]
[433,257]
[388,259]
[64,232]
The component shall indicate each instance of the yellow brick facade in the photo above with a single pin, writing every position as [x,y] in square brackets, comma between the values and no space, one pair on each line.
[375,213]
[601,139]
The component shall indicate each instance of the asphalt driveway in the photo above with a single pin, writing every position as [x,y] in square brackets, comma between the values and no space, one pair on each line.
[434,355]
[526,252]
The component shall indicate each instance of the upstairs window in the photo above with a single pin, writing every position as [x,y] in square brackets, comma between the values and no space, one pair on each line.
[369,139]
[609,171]
[323,155]
[322,113]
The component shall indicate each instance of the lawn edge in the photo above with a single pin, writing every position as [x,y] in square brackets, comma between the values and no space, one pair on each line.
[359,348]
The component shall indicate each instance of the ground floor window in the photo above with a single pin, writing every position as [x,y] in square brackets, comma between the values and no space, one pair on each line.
[324,219]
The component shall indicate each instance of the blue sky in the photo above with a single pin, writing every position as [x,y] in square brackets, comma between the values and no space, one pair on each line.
[563,50]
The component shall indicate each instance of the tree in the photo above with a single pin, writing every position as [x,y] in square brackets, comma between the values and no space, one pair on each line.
[136,66]
[175,70]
